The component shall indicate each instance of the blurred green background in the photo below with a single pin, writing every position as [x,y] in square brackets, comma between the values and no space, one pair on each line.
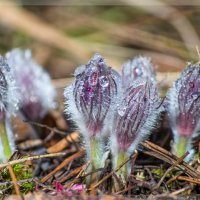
[66,35]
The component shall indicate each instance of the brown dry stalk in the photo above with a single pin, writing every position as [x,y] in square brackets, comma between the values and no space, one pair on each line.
[64,143]
[185,189]
[170,169]
[71,174]
[189,179]
[111,173]
[47,127]
[168,157]
[14,180]
[63,164]
[31,158]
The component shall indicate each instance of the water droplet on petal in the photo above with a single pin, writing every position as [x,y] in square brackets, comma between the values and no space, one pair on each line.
[122,110]
[194,96]
[138,71]
[103,81]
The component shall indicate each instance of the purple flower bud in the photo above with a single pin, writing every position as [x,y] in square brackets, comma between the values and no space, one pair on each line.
[136,115]
[139,67]
[91,96]
[37,94]
[184,103]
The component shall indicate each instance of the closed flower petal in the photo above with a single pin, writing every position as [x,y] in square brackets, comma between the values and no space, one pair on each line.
[91,96]
[136,115]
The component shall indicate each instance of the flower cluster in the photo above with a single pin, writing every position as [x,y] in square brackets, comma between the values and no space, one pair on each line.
[102,105]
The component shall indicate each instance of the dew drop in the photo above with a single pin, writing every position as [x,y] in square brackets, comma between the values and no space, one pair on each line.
[194,96]
[122,110]
[138,71]
[103,81]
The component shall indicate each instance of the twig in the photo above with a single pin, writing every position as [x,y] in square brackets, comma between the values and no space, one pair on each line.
[111,173]
[71,174]
[47,127]
[32,158]
[18,182]
[63,164]
[177,192]
[170,169]
[168,157]
[189,179]
[14,180]
[63,143]
[126,189]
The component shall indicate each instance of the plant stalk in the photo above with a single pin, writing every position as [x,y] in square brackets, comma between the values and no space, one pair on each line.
[123,172]
[5,141]
[181,146]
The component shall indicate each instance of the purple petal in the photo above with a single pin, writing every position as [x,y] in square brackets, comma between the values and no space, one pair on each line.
[94,90]
[140,105]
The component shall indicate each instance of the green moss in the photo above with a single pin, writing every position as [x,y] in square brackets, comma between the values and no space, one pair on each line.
[27,187]
[22,172]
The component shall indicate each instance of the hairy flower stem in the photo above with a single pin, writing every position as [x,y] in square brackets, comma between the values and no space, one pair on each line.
[181,146]
[5,141]
[96,161]
[123,172]
[95,153]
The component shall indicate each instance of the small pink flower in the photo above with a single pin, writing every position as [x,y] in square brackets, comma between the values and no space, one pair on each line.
[78,188]
[58,186]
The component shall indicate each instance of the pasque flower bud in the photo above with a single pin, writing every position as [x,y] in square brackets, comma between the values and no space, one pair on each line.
[135,117]
[37,95]
[91,95]
[183,106]
[138,67]
[89,100]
